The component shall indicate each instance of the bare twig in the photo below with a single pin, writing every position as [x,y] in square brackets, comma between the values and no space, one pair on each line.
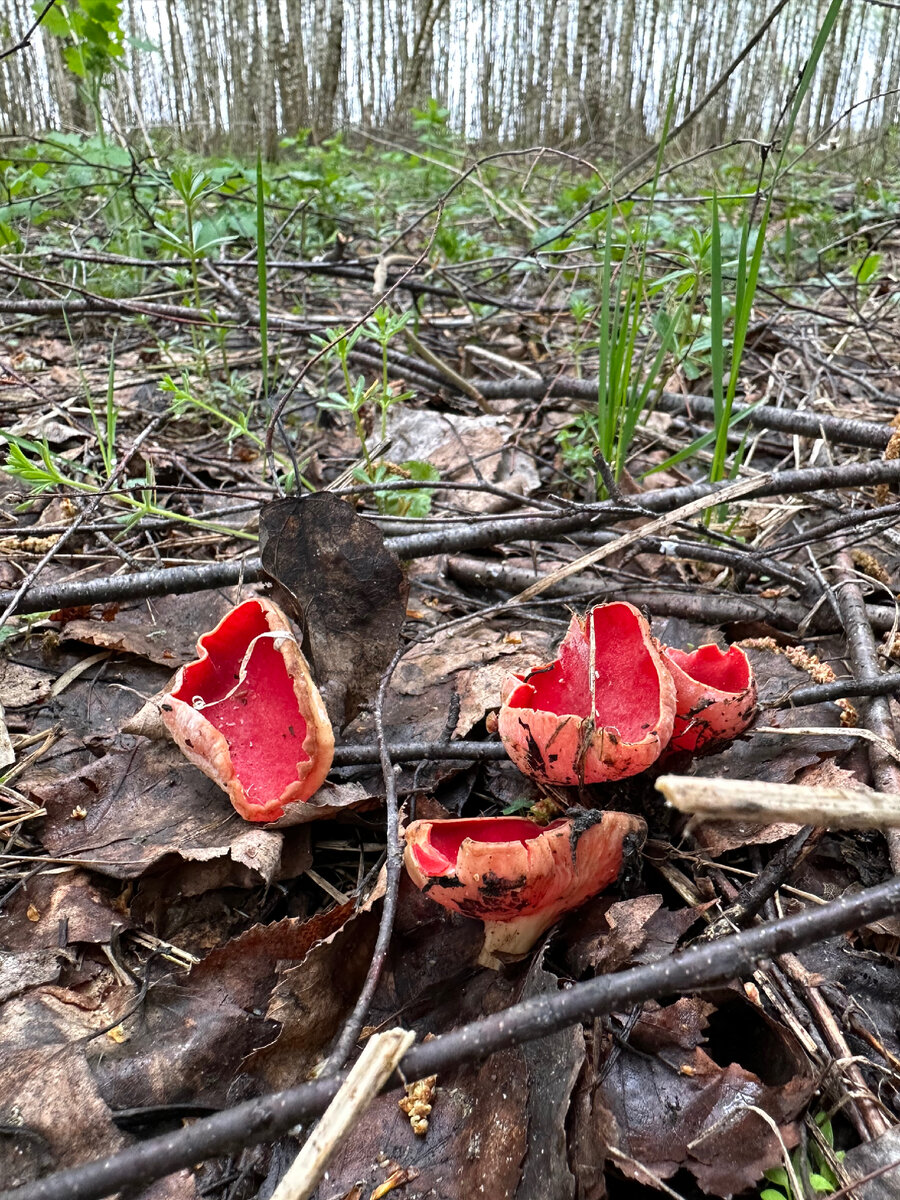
[478,534]
[462,751]
[393,868]
[750,800]
[25,41]
[367,1077]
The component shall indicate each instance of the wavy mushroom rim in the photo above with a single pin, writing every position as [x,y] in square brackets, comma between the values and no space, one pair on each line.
[250,661]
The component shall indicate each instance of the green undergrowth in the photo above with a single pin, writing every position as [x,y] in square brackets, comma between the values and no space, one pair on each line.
[636,286]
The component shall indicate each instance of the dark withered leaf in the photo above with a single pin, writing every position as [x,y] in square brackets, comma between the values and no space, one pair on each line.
[348,593]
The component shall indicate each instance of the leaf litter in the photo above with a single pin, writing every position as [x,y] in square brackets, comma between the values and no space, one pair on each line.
[141,831]
[161,959]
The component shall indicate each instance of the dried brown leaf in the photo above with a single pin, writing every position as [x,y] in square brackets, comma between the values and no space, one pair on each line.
[143,802]
[348,592]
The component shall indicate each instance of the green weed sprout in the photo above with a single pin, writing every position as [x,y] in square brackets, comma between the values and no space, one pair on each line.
[383,327]
[814,1168]
[44,470]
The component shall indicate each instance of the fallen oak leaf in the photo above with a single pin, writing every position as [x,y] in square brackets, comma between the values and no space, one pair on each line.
[142,803]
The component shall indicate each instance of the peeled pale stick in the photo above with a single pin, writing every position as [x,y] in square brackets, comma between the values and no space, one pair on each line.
[744,800]
[248,714]
[514,875]
[603,710]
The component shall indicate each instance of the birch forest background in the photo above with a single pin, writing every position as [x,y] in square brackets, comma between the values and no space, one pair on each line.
[597,72]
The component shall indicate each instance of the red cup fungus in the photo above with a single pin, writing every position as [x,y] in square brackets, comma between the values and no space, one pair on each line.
[248,714]
[715,696]
[602,711]
[514,875]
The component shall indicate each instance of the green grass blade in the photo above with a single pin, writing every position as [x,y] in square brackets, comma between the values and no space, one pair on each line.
[717,324]
[112,413]
[262,275]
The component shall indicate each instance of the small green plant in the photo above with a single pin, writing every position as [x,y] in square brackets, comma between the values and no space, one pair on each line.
[236,418]
[94,43]
[383,328]
[35,464]
[814,1168]
[355,395]
[580,307]
[400,502]
[748,266]
[196,239]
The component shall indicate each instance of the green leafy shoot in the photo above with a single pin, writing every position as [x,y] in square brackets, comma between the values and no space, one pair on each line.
[400,502]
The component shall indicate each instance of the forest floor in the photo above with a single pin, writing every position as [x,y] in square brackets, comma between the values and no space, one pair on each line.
[416,402]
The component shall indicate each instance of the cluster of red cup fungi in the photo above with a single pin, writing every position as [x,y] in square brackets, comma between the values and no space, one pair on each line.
[612,703]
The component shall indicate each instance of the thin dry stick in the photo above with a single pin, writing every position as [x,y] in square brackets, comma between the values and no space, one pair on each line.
[865,735]
[844,430]
[393,867]
[734,492]
[748,800]
[876,712]
[368,1076]
[872,1115]
[652,151]
[295,383]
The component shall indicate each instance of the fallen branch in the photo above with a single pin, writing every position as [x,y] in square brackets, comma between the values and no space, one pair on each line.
[764,803]
[471,535]
[841,430]
[263,1119]
[876,712]
[715,608]
[681,503]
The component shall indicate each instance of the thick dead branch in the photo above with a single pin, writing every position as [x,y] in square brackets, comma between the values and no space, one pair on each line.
[750,800]
[841,430]
[714,607]
[876,712]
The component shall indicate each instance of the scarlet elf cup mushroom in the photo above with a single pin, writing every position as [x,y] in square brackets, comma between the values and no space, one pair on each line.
[715,696]
[516,876]
[615,699]
[248,714]
[603,710]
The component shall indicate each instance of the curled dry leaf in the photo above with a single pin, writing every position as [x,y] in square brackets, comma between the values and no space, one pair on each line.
[602,711]
[514,875]
[248,714]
